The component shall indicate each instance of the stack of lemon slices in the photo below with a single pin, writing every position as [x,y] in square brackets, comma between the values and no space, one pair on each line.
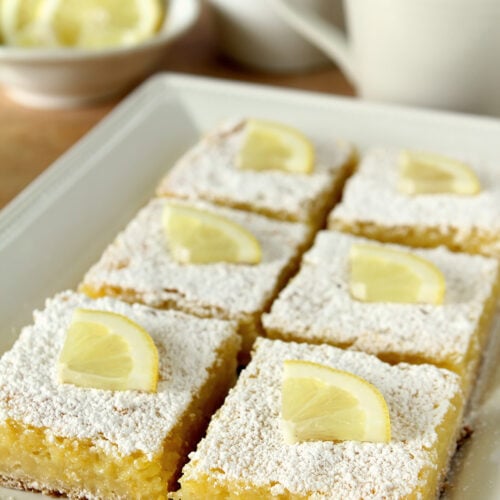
[89,24]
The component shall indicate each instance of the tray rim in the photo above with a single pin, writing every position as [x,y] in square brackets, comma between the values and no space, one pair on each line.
[60,172]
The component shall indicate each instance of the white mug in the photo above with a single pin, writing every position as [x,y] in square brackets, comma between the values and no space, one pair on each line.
[250,32]
[437,53]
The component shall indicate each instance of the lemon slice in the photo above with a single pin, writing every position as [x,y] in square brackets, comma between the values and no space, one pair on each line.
[199,237]
[94,24]
[106,350]
[425,173]
[273,146]
[320,403]
[20,23]
[381,274]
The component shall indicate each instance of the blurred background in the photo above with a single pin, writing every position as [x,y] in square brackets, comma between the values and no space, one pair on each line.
[31,138]
[431,53]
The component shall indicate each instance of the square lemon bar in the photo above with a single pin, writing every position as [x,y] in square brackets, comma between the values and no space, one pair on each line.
[245,456]
[89,443]
[373,206]
[138,267]
[317,307]
[209,171]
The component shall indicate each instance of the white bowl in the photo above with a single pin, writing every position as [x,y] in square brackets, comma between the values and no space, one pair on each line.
[68,77]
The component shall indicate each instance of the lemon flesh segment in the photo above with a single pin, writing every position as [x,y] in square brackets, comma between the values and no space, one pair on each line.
[425,173]
[95,24]
[199,237]
[21,23]
[320,403]
[105,350]
[380,274]
[273,146]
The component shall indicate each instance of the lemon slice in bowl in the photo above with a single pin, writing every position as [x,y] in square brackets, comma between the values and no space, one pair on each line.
[320,403]
[95,24]
[21,23]
[273,146]
[425,173]
[379,274]
[105,350]
[196,236]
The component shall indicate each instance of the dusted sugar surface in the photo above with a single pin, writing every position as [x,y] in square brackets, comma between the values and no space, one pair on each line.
[371,195]
[209,171]
[244,441]
[117,421]
[139,261]
[317,305]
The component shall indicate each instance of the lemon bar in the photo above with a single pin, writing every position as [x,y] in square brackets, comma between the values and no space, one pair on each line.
[244,454]
[317,307]
[88,443]
[138,267]
[372,206]
[209,171]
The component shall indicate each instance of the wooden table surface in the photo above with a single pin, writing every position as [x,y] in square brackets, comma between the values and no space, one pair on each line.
[31,139]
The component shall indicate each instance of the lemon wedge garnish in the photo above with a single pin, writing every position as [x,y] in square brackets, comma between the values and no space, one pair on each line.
[105,350]
[425,173]
[379,274]
[273,146]
[320,403]
[196,236]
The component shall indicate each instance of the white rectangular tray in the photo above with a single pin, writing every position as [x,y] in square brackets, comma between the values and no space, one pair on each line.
[56,228]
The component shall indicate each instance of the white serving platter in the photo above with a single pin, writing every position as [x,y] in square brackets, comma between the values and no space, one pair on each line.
[57,227]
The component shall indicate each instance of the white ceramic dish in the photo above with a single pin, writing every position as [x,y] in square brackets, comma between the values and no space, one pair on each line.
[67,77]
[55,229]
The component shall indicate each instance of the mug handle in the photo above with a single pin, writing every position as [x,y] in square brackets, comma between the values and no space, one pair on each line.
[324,35]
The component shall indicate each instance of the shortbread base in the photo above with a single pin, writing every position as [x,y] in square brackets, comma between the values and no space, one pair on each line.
[473,241]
